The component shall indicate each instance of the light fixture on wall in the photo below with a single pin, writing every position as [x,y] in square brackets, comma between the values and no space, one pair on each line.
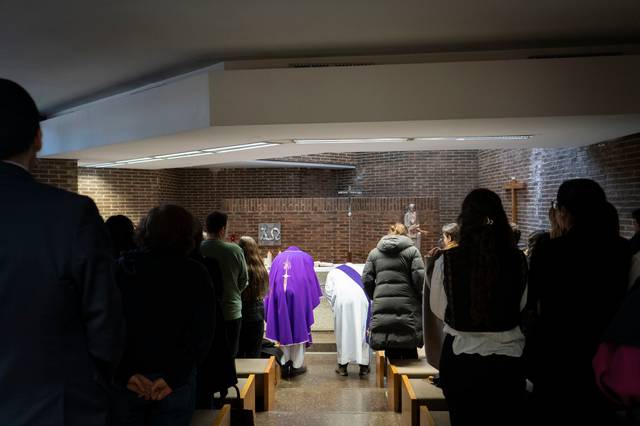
[185,154]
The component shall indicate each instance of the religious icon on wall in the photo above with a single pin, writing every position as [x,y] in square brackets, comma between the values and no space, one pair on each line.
[269,234]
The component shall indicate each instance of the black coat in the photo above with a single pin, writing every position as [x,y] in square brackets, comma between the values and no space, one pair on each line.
[579,281]
[169,308]
[61,326]
[393,277]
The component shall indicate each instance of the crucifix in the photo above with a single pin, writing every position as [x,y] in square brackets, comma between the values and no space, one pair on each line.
[514,185]
[286,266]
[349,192]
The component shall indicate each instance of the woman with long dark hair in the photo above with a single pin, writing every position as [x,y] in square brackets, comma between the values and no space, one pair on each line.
[478,290]
[252,328]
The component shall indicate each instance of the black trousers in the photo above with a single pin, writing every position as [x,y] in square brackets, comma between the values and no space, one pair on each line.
[233,328]
[251,335]
[401,353]
[482,390]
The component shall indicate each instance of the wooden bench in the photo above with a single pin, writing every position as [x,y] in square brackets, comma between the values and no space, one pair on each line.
[381,368]
[221,417]
[418,368]
[417,393]
[247,398]
[264,370]
[433,418]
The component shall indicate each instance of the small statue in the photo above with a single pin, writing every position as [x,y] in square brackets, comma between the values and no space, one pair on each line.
[413,227]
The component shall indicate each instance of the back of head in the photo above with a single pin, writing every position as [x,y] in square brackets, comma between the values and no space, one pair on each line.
[452,230]
[586,202]
[216,221]
[19,119]
[168,229]
[483,222]
[258,275]
[636,217]
[122,232]
[397,229]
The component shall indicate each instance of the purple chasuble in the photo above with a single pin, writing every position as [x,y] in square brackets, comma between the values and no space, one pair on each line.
[355,276]
[294,292]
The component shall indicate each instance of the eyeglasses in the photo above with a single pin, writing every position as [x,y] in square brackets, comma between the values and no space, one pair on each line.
[554,204]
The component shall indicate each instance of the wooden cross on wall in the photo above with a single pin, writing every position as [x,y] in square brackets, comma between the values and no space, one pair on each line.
[349,192]
[514,185]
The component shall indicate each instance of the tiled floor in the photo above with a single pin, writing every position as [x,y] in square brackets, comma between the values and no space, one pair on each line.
[321,397]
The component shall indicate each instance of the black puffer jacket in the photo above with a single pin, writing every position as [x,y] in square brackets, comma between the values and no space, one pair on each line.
[393,277]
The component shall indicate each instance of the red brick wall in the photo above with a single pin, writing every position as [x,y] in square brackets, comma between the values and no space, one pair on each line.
[615,165]
[320,226]
[60,173]
[129,192]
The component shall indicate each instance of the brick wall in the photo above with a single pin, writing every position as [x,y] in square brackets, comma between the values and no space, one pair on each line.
[60,173]
[130,192]
[615,165]
[442,177]
[321,225]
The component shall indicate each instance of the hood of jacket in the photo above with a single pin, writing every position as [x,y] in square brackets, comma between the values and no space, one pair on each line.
[394,243]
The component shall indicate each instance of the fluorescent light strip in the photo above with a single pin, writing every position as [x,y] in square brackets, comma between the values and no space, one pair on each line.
[475,138]
[242,146]
[177,154]
[193,154]
[186,154]
[327,141]
[246,147]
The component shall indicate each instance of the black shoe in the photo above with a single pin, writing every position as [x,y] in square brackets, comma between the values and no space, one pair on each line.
[364,370]
[286,370]
[297,371]
[341,369]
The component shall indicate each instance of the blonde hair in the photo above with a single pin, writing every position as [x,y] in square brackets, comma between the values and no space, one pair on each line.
[397,229]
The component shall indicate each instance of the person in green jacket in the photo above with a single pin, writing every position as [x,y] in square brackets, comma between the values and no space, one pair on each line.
[234,274]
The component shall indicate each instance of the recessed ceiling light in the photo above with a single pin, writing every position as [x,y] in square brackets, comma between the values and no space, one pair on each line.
[184,155]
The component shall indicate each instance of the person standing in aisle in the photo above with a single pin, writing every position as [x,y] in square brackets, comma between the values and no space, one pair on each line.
[234,274]
[61,319]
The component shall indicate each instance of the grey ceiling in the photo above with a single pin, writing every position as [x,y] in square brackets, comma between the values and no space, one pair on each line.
[69,52]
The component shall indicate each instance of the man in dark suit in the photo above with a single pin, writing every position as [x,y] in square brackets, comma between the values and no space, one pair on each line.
[61,327]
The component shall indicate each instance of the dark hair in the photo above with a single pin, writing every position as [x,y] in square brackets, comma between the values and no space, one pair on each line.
[486,235]
[216,221]
[121,231]
[517,234]
[167,229]
[258,275]
[585,200]
[19,119]
[636,215]
[536,239]
[610,219]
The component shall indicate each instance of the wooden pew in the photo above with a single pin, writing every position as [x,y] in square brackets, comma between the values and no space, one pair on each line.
[264,370]
[221,417]
[433,418]
[418,368]
[417,393]
[381,368]
[247,398]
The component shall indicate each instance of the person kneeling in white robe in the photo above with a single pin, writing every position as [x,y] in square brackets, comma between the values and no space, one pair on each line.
[350,307]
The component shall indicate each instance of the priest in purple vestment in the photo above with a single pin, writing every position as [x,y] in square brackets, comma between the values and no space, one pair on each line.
[294,292]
